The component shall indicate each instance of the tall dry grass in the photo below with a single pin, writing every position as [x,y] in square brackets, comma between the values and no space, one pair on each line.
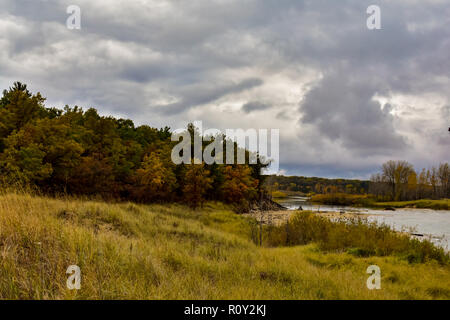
[128,251]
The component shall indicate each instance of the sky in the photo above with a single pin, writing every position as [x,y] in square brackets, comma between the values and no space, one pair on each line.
[345,98]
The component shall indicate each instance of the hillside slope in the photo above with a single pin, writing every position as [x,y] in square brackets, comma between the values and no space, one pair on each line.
[128,251]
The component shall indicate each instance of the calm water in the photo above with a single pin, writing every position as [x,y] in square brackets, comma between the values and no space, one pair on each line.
[433,224]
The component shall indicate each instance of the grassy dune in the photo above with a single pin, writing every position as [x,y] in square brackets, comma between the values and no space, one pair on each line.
[128,251]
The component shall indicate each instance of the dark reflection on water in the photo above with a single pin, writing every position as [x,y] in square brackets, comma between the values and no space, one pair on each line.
[432,224]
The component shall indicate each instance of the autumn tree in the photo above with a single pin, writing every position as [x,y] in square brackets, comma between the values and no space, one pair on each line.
[412,185]
[41,151]
[155,180]
[82,152]
[197,182]
[239,186]
[422,184]
[396,174]
[444,179]
[18,107]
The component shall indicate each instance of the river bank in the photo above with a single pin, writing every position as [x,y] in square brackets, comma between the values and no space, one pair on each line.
[433,225]
[278,217]
[342,199]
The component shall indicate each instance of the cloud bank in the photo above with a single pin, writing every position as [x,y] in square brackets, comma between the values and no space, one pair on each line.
[345,98]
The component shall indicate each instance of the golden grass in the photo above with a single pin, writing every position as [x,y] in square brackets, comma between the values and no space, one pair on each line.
[367,201]
[342,199]
[128,251]
[442,204]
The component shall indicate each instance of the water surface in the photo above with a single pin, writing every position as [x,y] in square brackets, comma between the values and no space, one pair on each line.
[432,224]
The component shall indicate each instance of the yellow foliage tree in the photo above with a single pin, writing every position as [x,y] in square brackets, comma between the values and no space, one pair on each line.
[155,181]
[196,185]
[239,184]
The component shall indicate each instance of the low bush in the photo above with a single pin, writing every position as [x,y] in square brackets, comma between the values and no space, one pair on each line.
[356,236]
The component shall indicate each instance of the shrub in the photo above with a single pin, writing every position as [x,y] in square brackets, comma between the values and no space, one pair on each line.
[342,199]
[278,194]
[356,236]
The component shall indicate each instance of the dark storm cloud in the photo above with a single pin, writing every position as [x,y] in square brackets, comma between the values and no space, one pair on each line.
[343,110]
[160,62]
[197,96]
[254,106]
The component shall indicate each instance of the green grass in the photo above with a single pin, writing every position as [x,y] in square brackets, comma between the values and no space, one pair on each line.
[129,251]
[366,201]
[443,204]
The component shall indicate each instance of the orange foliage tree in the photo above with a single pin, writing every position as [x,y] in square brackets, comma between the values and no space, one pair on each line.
[238,184]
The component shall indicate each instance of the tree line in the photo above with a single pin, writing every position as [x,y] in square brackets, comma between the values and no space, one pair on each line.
[308,185]
[80,152]
[398,180]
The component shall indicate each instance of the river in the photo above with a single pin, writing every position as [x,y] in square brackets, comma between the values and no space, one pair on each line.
[432,224]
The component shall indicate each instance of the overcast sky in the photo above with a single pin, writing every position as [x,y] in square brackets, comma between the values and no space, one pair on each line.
[344,97]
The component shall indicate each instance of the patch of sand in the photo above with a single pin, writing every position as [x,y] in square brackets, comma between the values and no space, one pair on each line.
[279,217]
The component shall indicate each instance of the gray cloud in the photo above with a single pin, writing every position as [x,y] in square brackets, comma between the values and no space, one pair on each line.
[254,106]
[344,111]
[340,90]
[194,96]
